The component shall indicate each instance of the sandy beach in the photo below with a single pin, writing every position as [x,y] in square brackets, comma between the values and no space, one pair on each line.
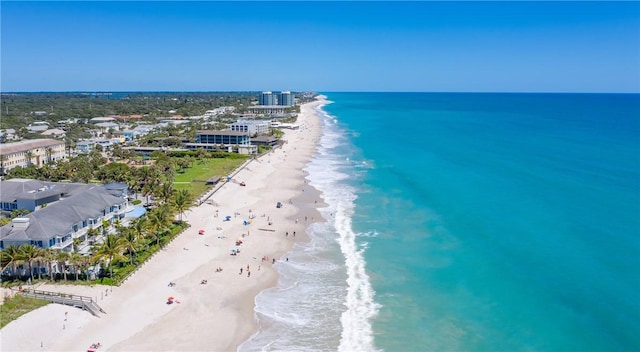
[218,315]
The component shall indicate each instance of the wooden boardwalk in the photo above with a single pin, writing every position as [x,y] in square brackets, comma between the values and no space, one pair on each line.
[82,302]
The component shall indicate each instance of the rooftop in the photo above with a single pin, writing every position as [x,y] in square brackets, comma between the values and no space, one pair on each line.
[23,146]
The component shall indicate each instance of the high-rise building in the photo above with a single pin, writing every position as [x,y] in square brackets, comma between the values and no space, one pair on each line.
[286,98]
[267,98]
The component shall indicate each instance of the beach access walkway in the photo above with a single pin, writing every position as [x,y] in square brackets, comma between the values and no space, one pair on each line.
[82,302]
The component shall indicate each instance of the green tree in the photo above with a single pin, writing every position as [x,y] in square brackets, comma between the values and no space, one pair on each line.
[3,159]
[39,259]
[17,213]
[105,227]
[76,260]
[130,243]
[181,201]
[111,249]
[140,227]
[69,145]
[114,172]
[62,258]
[28,254]
[49,154]
[29,155]
[92,233]
[164,192]
[49,256]
[10,257]
[159,220]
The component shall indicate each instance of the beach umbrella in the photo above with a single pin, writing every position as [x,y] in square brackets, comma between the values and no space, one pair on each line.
[201,232]
[170,298]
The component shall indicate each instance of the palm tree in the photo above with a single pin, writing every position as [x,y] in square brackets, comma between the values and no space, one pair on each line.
[110,250]
[83,262]
[29,155]
[40,257]
[49,257]
[49,153]
[105,227]
[182,201]
[133,183]
[3,158]
[10,257]
[62,258]
[159,220]
[130,243]
[164,192]
[76,259]
[28,254]
[69,145]
[92,232]
[150,178]
[140,227]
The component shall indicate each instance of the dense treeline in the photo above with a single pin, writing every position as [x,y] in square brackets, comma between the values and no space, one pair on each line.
[19,109]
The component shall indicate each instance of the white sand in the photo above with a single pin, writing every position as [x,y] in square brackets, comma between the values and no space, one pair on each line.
[217,316]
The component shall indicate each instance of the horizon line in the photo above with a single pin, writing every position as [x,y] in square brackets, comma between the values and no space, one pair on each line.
[303,91]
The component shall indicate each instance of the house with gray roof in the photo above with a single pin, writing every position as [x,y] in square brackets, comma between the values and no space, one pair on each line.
[19,193]
[57,224]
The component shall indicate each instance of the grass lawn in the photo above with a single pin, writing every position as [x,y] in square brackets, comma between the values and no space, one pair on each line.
[16,306]
[194,178]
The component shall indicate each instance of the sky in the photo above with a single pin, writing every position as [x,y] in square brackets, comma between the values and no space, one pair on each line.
[419,46]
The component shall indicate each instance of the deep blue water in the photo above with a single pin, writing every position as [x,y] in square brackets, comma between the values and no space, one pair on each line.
[467,222]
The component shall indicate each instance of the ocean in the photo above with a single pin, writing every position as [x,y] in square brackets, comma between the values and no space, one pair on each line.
[467,222]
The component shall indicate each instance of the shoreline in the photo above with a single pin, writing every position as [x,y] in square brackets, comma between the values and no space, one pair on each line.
[218,315]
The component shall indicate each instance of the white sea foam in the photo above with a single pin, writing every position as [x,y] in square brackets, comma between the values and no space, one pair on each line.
[357,334]
[323,300]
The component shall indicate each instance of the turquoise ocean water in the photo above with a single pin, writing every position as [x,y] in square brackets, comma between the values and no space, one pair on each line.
[467,222]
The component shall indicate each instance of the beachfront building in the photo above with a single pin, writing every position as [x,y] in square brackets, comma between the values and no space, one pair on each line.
[70,212]
[269,110]
[267,98]
[31,152]
[264,141]
[275,105]
[252,127]
[228,141]
[286,98]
